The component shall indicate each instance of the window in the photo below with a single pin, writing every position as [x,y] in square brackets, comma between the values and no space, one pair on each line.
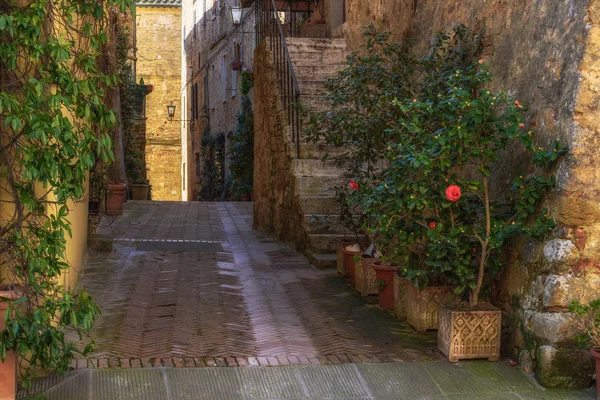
[206,89]
[237,56]
[224,77]
[195,113]
[195,25]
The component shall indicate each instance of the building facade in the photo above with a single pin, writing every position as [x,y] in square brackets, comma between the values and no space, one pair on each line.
[158,61]
[214,53]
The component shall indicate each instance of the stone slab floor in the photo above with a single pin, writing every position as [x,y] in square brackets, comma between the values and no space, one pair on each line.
[196,305]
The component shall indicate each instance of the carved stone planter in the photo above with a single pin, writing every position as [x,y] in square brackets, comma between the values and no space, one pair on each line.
[400,284]
[365,277]
[423,305]
[349,263]
[466,334]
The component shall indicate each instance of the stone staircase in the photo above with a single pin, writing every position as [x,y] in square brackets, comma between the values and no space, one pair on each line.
[314,61]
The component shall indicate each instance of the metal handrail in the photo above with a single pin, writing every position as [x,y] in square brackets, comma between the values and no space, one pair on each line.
[269,25]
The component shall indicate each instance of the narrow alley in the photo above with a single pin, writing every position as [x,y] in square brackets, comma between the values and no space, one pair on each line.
[190,293]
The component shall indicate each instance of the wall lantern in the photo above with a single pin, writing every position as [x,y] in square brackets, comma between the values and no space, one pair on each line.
[236,15]
[171,110]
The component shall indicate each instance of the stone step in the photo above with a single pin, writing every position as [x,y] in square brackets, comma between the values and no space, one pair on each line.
[315,44]
[323,243]
[318,72]
[312,87]
[318,204]
[314,103]
[329,57]
[317,186]
[318,150]
[321,261]
[325,224]
[316,168]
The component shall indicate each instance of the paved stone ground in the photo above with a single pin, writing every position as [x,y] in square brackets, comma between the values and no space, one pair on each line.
[190,285]
[400,381]
[245,299]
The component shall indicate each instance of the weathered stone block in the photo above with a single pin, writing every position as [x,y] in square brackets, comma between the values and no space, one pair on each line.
[552,327]
[567,367]
[560,290]
[561,254]
[99,242]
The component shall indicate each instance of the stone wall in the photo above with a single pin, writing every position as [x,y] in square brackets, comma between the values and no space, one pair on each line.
[208,51]
[158,63]
[276,208]
[546,53]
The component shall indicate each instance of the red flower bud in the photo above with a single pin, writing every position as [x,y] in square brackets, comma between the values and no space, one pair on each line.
[354,185]
[432,224]
[453,193]
[521,125]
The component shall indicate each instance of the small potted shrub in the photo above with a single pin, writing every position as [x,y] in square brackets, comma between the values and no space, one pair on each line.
[385,284]
[140,189]
[115,196]
[587,320]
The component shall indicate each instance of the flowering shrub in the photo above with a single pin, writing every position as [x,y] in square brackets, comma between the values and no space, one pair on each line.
[430,210]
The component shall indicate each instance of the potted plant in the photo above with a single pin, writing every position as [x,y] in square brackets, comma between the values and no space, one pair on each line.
[385,284]
[140,189]
[236,65]
[115,196]
[98,184]
[587,320]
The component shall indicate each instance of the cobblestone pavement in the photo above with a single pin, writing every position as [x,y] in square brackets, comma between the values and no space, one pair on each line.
[191,285]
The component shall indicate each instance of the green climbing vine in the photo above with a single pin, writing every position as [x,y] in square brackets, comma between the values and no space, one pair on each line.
[56,69]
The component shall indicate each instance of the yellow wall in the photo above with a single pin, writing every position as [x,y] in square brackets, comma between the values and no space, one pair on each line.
[158,33]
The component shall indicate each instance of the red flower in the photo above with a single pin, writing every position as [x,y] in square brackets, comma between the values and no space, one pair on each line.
[453,193]
[518,104]
[521,125]
[432,224]
[354,185]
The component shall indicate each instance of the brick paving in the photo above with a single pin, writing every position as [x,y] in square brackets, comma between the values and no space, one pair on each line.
[195,308]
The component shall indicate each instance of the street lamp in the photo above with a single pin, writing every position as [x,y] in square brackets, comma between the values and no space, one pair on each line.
[236,14]
[171,110]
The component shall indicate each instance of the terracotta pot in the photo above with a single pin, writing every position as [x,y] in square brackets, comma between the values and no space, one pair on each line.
[385,284]
[349,263]
[115,199]
[595,351]
[339,246]
[139,191]
[465,333]
[247,3]
[8,369]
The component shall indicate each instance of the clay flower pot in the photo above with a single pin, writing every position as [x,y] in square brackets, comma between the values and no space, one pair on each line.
[595,351]
[115,198]
[466,333]
[349,263]
[339,246]
[385,284]
[8,369]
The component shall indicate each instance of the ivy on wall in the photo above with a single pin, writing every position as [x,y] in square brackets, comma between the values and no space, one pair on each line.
[55,60]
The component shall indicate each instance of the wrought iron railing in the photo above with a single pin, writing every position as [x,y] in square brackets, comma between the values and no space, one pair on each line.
[270,29]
